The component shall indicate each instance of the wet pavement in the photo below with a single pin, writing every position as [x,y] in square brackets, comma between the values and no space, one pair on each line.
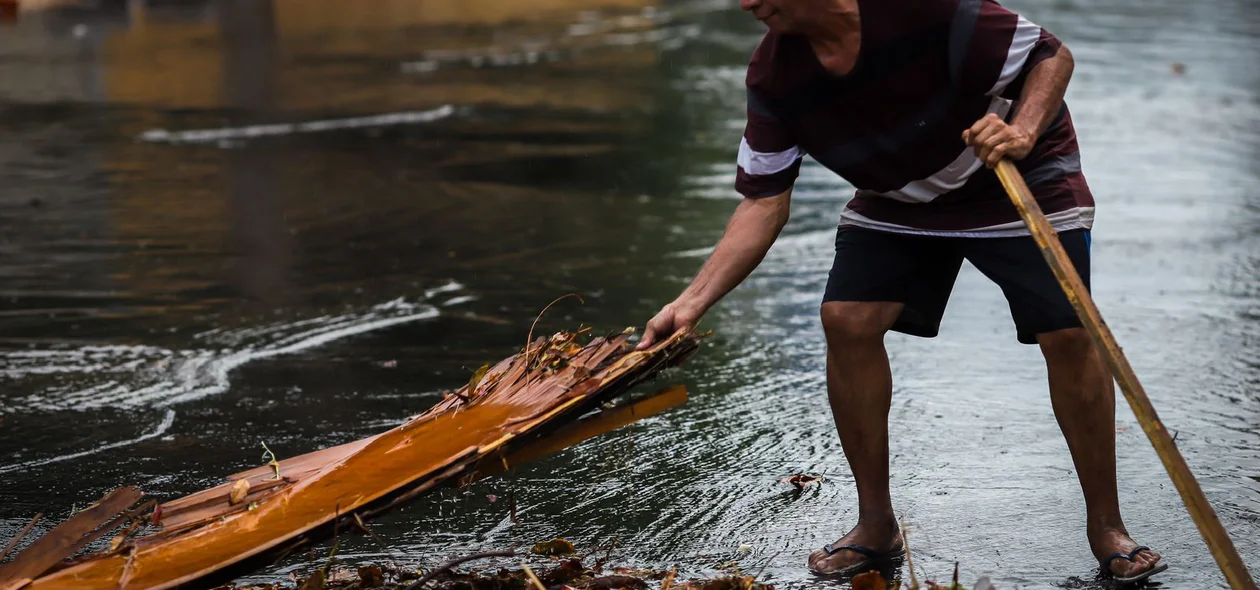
[236,222]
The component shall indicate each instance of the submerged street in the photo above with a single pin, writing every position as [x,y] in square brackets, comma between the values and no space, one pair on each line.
[229,223]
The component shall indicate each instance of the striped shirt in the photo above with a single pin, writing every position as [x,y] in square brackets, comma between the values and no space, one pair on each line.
[926,71]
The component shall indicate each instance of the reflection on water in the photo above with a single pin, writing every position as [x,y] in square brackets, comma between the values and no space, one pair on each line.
[232,222]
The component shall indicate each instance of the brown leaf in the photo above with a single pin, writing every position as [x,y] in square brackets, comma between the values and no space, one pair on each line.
[934,586]
[800,480]
[477,376]
[240,489]
[869,581]
[569,571]
[612,583]
[640,573]
[315,582]
[371,576]
[728,583]
[554,547]
[341,575]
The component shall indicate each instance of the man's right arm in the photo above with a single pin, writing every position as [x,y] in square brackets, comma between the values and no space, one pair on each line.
[750,232]
[769,161]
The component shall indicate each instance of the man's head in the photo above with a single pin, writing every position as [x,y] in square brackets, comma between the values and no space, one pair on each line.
[781,16]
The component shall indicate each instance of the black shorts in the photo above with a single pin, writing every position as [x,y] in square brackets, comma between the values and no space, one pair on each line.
[919,271]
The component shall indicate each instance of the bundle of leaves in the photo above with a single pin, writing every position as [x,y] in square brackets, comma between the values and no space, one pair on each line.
[873,580]
[559,573]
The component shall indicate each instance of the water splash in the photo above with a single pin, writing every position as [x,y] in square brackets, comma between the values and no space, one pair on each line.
[154,377]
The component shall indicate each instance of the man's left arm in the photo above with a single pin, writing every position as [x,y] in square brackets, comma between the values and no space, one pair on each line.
[998,53]
[1039,103]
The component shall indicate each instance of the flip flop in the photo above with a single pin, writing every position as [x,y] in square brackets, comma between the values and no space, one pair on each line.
[1106,566]
[872,557]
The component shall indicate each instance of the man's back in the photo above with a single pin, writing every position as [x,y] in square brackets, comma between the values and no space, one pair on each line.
[892,125]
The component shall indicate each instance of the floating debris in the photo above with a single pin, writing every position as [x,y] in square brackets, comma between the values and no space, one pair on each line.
[240,489]
[800,480]
[871,580]
[568,574]
[554,547]
[481,429]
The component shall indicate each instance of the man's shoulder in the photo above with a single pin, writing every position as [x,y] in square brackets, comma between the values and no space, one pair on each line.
[762,60]
[894,21]
[775,56]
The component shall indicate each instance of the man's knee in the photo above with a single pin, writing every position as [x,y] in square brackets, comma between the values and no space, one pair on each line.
[1067,343]
[853,321]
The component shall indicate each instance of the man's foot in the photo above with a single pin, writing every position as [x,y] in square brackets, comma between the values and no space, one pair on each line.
[883,539]
[1112,542]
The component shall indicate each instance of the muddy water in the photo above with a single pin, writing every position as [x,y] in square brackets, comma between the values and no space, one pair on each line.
[230,223]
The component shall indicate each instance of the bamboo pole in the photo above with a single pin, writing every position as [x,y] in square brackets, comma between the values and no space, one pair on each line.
[1201,511]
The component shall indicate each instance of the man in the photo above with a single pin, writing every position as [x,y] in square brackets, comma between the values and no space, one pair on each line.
[910,102]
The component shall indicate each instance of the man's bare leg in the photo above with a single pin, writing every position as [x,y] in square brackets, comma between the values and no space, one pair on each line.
[1083,396]
[859,387]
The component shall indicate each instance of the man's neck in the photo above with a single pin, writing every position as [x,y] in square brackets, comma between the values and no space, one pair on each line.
[834,22]
[835,34]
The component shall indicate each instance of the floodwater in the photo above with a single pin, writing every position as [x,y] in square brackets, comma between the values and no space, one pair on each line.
[231,223]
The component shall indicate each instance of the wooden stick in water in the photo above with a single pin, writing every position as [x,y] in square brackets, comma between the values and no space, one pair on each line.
[454,562]
[529,572]
[669,579]
[21,535]
[1201,511]
[905,541]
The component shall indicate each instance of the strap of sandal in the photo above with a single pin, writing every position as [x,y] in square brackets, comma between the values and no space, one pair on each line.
[1128,556]
[862,550]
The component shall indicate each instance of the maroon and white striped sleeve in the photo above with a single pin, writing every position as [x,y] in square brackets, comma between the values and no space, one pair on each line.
[769,159]
[993,49]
